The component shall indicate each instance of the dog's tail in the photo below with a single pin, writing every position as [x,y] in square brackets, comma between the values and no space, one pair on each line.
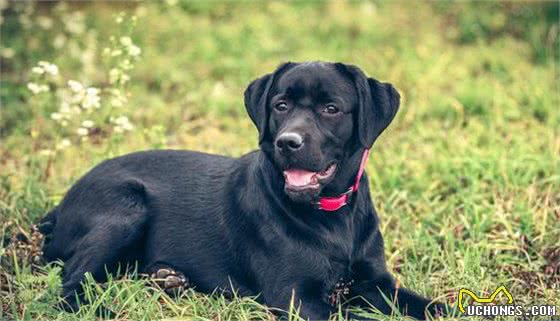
[46,227]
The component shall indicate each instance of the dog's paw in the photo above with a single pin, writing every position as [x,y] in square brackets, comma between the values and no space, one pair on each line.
[171,281]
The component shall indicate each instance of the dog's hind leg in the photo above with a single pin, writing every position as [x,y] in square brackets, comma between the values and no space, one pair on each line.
[99,252]
[95,232]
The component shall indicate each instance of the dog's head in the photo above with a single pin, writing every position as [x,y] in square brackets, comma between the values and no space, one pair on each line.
[313,118]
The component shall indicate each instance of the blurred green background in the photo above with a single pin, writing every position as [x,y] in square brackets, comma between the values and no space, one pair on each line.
[466,179]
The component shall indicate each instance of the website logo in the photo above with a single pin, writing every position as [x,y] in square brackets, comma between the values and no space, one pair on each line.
[489,306]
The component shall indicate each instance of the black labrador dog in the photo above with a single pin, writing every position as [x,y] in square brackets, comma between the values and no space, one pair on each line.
[293,219]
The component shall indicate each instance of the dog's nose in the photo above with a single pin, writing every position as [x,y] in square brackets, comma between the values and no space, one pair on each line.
[289,142]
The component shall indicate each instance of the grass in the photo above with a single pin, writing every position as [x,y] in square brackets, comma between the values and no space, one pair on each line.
[466,180]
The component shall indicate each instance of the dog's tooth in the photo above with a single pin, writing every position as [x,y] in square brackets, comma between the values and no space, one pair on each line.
[314,179]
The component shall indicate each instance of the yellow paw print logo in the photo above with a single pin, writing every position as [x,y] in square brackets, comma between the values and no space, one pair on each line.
[478,299]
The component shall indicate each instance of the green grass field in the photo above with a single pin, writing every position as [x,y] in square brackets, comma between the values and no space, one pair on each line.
[466,180]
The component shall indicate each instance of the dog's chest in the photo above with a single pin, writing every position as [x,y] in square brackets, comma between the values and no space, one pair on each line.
[339,280]
[323,255]
[340,256]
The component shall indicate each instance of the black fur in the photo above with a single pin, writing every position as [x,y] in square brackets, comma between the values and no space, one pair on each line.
[226,222]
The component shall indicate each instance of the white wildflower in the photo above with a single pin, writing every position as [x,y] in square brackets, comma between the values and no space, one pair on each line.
[87,123]
[91,98]
[130,47]
[45,67]
[134,51]
[82,131]
[37,88]
[75,86]
[49,68]
[124,78]
[65,143]
[126,65]
[128,126]
[121,120]
[118,99]
[126,41]
[118,102]
[38,70]
[120,18]
[53,70]
[92,91]
[56,116]
[114,75]
[122,124]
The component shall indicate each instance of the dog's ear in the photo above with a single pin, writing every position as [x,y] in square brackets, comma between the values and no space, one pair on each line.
[256,98]
[378,104]
[386,101]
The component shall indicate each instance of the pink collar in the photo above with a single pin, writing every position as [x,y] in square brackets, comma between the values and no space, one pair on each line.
[334,203]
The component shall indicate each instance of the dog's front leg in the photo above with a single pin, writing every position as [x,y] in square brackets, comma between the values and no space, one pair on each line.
[383,294]
[309,304]
[314,310]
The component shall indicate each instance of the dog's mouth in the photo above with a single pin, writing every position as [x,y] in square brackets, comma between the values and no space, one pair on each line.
[300,179]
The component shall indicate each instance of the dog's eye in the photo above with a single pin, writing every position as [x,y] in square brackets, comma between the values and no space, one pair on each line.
[281,106]
[331,109]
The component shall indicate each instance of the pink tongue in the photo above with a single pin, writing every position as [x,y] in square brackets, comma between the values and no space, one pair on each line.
[298,177]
